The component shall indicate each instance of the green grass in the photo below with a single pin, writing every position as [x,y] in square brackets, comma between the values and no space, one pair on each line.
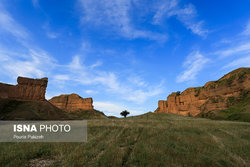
[86,114]
[146,140]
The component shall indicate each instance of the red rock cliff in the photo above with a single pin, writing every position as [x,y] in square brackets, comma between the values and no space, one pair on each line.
[72,102]
[26,89]
[214,95]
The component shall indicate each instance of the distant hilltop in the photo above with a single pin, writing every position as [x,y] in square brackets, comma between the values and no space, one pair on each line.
[72,102]
[213,96]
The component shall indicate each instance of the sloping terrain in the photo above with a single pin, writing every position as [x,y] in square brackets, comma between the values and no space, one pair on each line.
[42,110]
[30,110]
[86,114]
[147,140]
[238,109]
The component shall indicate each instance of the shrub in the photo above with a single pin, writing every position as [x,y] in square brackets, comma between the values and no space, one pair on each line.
[231,99]
[178,93]
[197,91]
[214,100]
[228,82]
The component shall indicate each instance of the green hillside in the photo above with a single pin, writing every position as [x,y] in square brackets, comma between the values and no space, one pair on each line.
[146,140]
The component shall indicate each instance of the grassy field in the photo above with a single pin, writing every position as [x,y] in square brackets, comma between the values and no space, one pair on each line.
[147,140]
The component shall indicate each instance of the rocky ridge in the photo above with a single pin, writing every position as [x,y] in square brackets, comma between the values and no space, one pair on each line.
[72,102]
[26,89]
[213,96]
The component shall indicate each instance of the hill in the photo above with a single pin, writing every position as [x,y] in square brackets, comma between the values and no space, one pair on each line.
[147,140]
[42,110]
[226,98]
[30,110]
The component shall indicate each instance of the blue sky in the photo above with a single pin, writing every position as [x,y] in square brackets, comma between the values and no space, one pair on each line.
[126,54]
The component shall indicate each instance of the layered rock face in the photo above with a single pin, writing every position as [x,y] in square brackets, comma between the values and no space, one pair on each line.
[72,102]
[215,95]
[26,89]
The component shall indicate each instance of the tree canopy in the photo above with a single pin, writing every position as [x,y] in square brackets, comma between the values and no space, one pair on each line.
[124,113]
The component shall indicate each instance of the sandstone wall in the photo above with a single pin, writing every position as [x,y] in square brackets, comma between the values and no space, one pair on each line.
[162,106]
[72,102]
[26,89]
[212,96]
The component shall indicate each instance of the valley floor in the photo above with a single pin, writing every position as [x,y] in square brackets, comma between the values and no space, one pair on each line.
[147,140]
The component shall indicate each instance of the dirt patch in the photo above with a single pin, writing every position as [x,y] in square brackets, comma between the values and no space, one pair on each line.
[38,162]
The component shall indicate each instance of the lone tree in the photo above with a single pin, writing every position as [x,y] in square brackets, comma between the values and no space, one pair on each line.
[124,113]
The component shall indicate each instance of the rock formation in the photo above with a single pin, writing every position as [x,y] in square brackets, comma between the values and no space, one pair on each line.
[26,89]
[215,95]
[72,102]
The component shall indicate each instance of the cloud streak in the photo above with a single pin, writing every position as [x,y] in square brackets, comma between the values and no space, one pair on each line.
[117,14]
[187,15]
[120,14]
[194,63]
[243,48]
[31,64]
[241,62]
[8,24]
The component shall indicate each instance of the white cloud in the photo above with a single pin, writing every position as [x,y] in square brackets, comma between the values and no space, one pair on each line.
[35,3]
[243,48]
[187,15]
[61,77]
[49,32]
[8,24]
[116,13]
[32,64]
[241,62]
[75,64]
[97,64]
[136,80]
[52,35]
[86,46]
[162,9]
[91,92]
[193,64]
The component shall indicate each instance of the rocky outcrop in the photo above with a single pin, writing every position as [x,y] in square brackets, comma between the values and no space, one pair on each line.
[26,89]
[72,102]
[214,95]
